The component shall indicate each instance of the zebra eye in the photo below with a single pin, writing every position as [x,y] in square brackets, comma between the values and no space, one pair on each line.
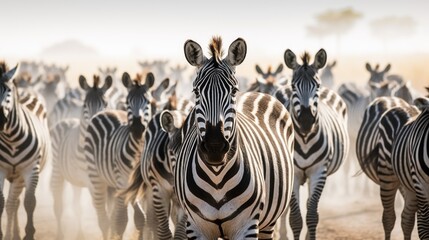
[234,91]
[196,92]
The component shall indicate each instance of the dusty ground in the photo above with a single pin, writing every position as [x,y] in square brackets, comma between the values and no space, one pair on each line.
[345,213]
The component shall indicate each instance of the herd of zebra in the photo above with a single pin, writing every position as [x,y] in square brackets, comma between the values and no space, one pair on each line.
[226,163]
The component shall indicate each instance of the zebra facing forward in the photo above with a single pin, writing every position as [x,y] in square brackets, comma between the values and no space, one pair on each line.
[233,174]
[380,125]
[410,162]
[113,144]
[24,149]
[321,140]
[69,163]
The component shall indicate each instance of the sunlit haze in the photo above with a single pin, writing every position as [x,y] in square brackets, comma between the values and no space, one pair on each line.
[122,32]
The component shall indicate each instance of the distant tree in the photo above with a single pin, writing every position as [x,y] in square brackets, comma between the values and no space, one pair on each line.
[335,22]
[391,28]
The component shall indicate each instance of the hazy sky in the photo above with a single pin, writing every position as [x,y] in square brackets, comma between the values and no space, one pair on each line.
[160,27]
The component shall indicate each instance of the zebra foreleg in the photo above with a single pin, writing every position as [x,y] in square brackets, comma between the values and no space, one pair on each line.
[99,194]
[408,213]
[57,186]
[295,218]
[181,218]
[139,220]
[161,204]
[30,202]
[120,217]
[422,217]
[1,204]
[12,204]
[316,184]
[78,210]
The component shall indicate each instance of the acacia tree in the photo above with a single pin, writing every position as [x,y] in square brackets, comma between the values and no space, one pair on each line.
[334,22]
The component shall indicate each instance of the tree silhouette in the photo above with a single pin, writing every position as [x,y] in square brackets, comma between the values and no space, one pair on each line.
[334,22]
[392,27]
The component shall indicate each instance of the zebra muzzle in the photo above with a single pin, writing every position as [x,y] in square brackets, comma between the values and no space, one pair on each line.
[214,146]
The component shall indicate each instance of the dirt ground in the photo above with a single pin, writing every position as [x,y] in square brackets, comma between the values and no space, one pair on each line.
[346,213]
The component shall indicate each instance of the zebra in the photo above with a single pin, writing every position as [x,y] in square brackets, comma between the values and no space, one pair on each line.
[357,99]
[377,132]
[113,144]
[24,148]
[233,174]
[151,182]
[70,106]
[69,163]
[117,93]
[410,163]
[269,82]
[319,117]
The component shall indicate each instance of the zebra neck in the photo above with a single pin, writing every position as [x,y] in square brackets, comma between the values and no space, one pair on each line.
[137,129]
[16,121]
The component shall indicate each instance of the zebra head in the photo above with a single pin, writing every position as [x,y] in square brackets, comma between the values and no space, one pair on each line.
[305,89]
[377,76]
[7,91]
[95,100]
[140,103]
[269,81]
[215,88]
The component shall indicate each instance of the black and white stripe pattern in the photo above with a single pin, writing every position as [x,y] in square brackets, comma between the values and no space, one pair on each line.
[24,148]
[113,145]
[382,121]
[69,163]
[268,82]
[321,140]
[233,174]
[410,162]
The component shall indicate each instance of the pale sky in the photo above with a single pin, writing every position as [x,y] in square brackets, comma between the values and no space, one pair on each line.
[124,32]
[160,27]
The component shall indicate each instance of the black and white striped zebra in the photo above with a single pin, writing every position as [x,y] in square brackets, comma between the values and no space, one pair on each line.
[69,163]
[151,182]
[268,82]
[24,148]
[233,174]
[381,123]
[321,140]
[113,145]
[410,162]
[70,106]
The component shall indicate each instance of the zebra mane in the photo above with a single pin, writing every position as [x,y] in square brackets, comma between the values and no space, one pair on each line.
[216,48]
[3,68]
[138,79]
[96,81]
[305,58]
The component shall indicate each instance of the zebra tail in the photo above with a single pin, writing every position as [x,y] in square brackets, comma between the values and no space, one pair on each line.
[136,186]
[367,161]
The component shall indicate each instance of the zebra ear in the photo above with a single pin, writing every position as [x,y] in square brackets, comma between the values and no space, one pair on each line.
[194,53]
[83,83]
[421,103]
[290,59]
[167,121]
[9,75]
[368,67]
[237,52]
[126,80]
[150,80]
[279,69]
[107,83]
[259,70]
[320,59]
[387,68]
